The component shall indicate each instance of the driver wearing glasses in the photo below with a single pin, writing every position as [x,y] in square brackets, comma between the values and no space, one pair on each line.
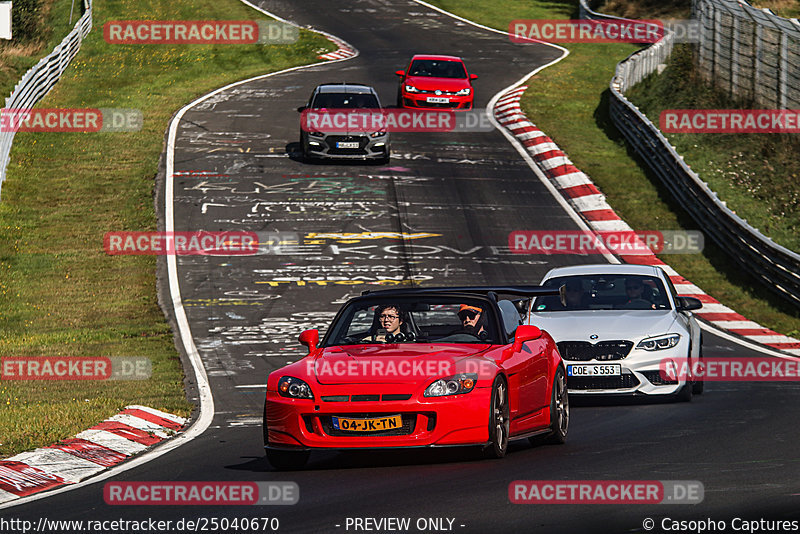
[387,324]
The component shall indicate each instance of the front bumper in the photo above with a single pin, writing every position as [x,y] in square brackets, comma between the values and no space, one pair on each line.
[457,103]
[446,421]
[641,374]
[368,147]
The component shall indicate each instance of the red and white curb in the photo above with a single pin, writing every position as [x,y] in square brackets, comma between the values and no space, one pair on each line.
[577,188]
[345,51]
[133,430]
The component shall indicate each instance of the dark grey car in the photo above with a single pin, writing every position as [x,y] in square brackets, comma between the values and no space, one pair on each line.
[348,143]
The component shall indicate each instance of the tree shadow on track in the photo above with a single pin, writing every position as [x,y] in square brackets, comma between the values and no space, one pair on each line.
[620,400]
[378,458]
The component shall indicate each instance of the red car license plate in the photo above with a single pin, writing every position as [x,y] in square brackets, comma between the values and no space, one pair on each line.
[372,424]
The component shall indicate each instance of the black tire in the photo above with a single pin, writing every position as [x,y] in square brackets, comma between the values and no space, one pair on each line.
[684,394]
[499,423]
[264,425]
[283,459]
[559,410]
[698,385]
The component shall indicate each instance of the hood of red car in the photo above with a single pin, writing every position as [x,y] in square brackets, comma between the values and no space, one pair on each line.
[394,363]
[427,83]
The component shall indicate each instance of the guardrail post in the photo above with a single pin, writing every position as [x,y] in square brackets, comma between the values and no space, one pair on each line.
[783,73]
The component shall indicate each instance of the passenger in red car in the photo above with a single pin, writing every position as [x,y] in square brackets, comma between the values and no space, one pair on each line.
[389,320]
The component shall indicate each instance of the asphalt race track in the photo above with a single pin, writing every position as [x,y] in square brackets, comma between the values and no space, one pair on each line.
[440,214]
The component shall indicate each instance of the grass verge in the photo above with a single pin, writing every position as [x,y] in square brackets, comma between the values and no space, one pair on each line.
[60,294]
[19,55]
[782,8]
[569,101]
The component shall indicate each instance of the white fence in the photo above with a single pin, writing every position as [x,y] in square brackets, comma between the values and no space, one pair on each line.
[38,81]
[751,53]
[775,266]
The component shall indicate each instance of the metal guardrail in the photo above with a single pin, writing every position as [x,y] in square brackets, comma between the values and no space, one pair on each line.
[777,267]
[41,78]
[750,53]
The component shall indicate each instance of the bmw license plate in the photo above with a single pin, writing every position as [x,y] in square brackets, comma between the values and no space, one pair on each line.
[371,424]
[600,369]
[437,100]
[347,144]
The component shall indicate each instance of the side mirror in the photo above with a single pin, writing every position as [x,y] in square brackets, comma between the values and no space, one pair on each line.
[309,338]
[525,332]
[301,109]
[473,76]
[688,304]
[400,72]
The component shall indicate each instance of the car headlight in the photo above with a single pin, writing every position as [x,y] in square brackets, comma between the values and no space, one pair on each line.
[294,388]
[463,92]
[378,134]
[316,134]
[452,385]
[659,342]
[411,89]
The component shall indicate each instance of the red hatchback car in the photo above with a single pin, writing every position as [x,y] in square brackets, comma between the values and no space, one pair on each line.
[419,368]
[440,82]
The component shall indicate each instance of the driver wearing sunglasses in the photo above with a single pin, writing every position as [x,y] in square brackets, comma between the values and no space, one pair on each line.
[471,319]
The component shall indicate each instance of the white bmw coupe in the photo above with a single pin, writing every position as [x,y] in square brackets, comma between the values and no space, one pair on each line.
[620,329]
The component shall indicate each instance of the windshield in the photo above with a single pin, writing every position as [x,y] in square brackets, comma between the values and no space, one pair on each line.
[435,68]
[605,292]
[345,100]
[421,320]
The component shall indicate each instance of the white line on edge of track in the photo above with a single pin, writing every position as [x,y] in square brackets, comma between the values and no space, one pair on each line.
[204,388]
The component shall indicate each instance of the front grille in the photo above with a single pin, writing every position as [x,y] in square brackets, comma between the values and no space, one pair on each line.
[387,397]
[365,398]
[583,351]
[409,423]
[602,382]
[335,398]
[655,378]
[448,105]
[395,397]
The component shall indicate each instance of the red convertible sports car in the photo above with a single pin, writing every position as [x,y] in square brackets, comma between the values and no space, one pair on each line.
[420,368]
[436,82]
